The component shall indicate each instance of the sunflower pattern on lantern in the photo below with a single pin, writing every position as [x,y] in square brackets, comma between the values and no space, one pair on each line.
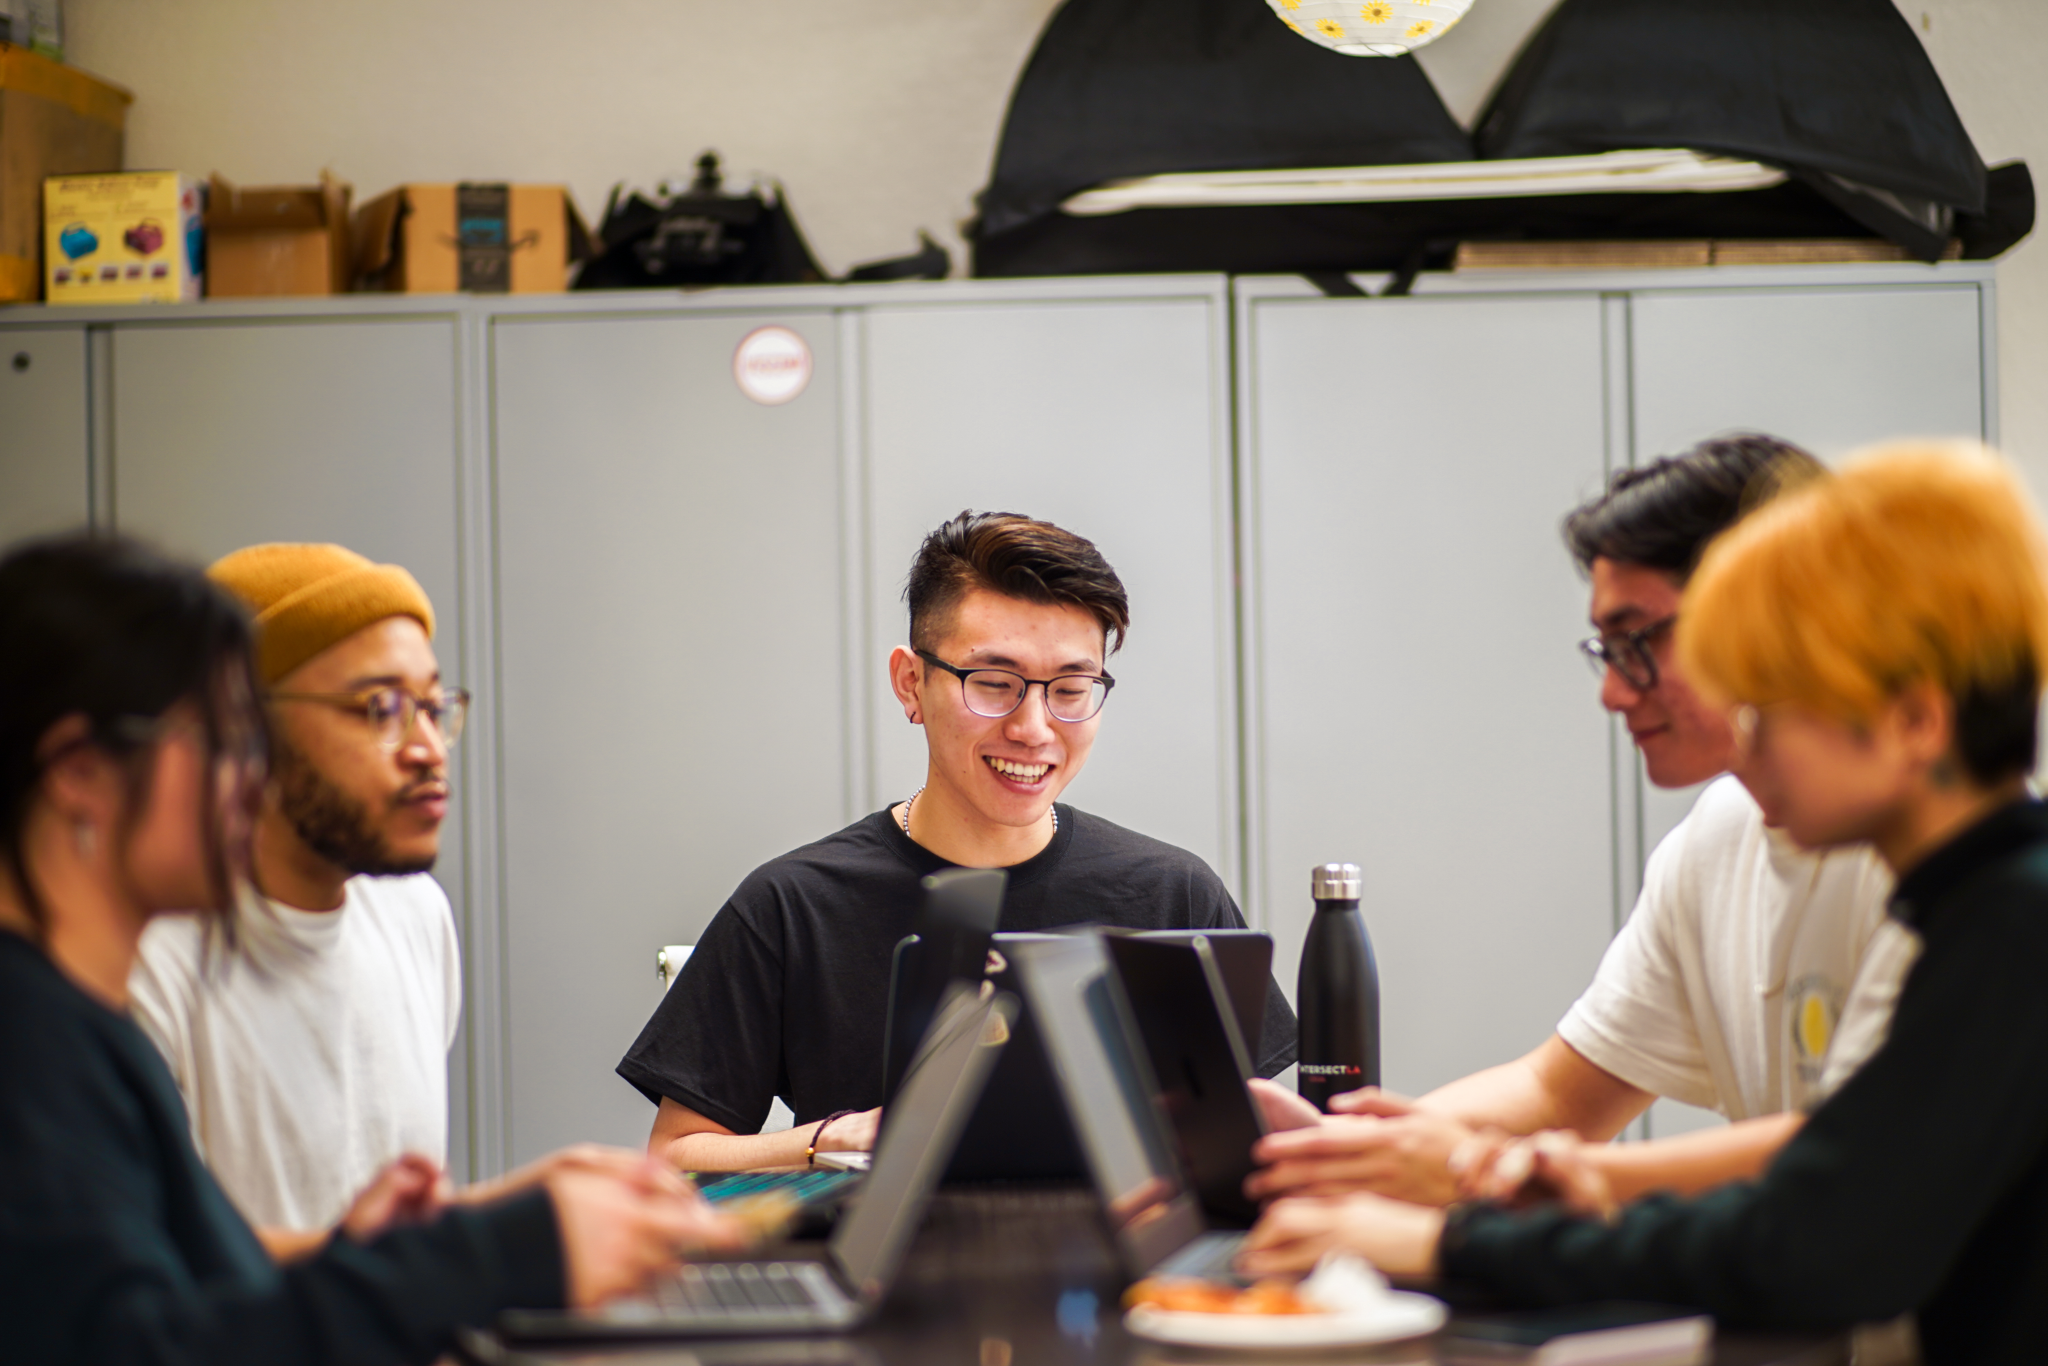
[1364,28]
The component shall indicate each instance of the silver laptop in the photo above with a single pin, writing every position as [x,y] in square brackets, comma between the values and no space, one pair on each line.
[920,1129]
[1100,1060]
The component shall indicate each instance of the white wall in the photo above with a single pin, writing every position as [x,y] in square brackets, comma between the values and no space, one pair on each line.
[880,116]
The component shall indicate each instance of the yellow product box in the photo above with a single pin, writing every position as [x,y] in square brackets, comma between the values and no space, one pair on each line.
[129,238]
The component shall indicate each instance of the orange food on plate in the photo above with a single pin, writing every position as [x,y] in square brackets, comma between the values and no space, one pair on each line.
[1272,1297]
[1188,1296]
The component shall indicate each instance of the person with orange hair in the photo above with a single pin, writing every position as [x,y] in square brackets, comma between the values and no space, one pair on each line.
[1880,637]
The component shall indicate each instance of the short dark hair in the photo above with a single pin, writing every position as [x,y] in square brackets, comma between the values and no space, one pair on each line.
[107,629]
[1998,728]
[1018,557]
[1663,514]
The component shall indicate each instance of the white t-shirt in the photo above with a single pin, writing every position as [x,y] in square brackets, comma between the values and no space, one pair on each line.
[1753,976]
[319,1053]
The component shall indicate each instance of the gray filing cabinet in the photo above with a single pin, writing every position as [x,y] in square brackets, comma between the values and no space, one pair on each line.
[1415,705]
[1353,621]
[45,470]
[671,696]
[1413,700]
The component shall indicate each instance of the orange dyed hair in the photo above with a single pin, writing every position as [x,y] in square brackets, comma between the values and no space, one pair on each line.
[1919,561]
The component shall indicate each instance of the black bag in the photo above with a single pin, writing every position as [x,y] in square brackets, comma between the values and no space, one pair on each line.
[700,237]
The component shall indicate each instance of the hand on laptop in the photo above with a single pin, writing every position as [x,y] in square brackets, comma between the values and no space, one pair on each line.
[1384,1145]
[1536,1169]
[621,1229]
[850,1133]
[410,1190]
[1292,1235]
[576,1157]
[1282,1108]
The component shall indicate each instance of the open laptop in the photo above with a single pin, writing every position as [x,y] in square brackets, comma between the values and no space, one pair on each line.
[746,1298]
[1154,1212]
[1200,1063]
[948,943]
[1021,1130]
[1244,960]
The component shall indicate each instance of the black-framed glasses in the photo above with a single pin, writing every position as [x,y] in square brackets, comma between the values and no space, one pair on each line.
[996,693]
[392,711]
[1628,653]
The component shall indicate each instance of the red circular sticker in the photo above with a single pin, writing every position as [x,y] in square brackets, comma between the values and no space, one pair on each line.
[772,365]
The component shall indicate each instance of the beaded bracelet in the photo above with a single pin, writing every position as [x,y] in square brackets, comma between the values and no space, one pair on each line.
[811,1152]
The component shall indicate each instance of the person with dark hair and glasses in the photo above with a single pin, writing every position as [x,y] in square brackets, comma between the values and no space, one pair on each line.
[1752,976]
[1012,622]
[131,767]
[1877,638]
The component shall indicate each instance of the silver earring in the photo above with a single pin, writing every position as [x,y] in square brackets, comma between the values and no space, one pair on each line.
[87,837]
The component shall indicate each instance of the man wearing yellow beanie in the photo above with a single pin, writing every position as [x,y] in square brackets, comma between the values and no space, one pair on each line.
[318,1055]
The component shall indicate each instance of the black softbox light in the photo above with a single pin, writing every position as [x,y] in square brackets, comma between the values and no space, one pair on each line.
[1120,88]
[1839,93]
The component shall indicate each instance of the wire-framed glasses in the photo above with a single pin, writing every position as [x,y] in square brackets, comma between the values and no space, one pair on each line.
[392,711]
[1628,653]
[998,692]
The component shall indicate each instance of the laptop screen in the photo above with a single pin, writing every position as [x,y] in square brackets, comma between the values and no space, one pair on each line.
[1109,1089]
[920,1128]
[1200,1061]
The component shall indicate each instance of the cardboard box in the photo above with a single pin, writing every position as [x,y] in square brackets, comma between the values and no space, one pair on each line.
[479,238]
[277,239]
[54,120]
[129,238]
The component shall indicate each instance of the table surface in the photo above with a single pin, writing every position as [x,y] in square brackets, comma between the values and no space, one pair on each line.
[1029,1278]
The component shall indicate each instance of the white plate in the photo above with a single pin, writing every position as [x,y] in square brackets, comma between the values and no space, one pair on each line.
[1403,1314]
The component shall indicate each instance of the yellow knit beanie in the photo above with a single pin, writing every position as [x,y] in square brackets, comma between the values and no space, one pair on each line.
[308,597]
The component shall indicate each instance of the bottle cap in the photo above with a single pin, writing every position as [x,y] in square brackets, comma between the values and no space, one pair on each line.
[1335,882]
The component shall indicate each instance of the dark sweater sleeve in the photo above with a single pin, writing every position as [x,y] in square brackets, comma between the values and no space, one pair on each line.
[100,1292]
[1868,1207]
[398,1299]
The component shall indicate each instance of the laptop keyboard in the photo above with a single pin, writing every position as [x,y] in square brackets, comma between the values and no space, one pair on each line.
[806,1187]
[1207,1258]
[748,1289]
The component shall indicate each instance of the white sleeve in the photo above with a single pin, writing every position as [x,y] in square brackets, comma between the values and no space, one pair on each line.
[1635,1021]
[163,988]
[450,953]
[1888,955]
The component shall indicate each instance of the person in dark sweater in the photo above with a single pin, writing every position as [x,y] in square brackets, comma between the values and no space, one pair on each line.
[1012,622]
[130,757]
[1882,632]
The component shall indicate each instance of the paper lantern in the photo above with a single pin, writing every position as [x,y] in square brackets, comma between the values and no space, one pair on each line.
[1371,28]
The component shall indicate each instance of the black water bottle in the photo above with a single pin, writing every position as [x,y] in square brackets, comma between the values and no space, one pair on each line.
[1338,992]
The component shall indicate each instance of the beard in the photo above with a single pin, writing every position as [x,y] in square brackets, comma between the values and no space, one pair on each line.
[333,824]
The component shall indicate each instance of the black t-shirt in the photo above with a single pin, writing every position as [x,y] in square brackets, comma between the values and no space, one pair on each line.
[787,992]
[116,1243]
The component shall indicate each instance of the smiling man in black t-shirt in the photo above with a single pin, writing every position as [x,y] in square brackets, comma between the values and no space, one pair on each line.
[1011,624]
